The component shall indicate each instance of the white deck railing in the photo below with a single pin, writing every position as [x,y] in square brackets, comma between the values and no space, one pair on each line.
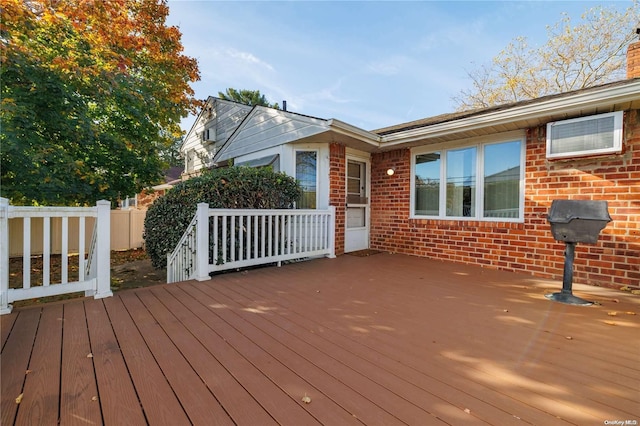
[237,238]
[181,263]
[94,276]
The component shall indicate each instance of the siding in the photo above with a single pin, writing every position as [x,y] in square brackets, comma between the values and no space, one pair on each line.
[266,128]
[225,117]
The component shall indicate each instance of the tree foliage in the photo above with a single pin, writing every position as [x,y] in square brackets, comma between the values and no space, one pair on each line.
[230,187]
[92,92]
[587,54]
[247,97]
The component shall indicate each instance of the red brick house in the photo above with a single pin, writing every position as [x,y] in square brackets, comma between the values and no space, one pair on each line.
[472,187]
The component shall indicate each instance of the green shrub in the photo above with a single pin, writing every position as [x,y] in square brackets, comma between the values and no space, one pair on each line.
[233,187]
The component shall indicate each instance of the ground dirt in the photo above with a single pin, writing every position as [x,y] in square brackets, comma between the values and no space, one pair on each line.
[129,269]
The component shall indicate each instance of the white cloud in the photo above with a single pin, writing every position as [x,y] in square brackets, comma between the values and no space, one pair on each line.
[384,68]
[247,57]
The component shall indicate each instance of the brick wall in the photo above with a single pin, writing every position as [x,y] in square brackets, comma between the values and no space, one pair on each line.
[146,198]
[633,60]
[337,192]
[526,247]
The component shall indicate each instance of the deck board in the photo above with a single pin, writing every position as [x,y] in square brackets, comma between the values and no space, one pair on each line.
[426,390]
[384,339]
[78,388]
[15,362]
[39,405]
[6,323]
[199,403]
[118,399]
[159,402]
[242,407]
[388,393]
[547,377]
[436,376]
[283,406]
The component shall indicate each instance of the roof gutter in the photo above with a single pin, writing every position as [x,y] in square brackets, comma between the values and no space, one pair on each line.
[354,132]
[576,102]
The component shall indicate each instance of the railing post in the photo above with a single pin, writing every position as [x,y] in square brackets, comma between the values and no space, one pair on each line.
[5,308]
[202,242]
[103,250]
[332,232]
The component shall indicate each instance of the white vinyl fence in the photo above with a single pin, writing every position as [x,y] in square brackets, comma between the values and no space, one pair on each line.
[237,238]
[93,275]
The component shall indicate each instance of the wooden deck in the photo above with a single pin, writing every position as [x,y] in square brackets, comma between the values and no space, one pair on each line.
[385,339]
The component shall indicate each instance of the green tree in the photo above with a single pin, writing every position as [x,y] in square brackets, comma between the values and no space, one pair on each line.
[247,97]
[92,93]
[591,53]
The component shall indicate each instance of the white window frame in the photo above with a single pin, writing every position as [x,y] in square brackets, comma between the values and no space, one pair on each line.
[295,158]
[479,190]
[617,137]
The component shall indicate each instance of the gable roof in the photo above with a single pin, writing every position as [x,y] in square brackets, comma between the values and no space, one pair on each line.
[266,127]
[210,104]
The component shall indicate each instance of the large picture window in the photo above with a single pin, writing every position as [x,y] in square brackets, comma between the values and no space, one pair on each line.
[307,175]
[476,182]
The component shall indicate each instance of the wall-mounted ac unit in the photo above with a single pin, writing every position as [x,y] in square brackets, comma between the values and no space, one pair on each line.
[209,135]
[592,135]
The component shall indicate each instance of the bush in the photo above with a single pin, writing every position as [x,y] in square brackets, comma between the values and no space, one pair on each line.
[232,187]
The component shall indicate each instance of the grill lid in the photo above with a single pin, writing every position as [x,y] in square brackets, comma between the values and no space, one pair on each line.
[564,211]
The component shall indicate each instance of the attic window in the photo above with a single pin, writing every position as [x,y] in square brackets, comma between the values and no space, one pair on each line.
[593,135]
[208,135]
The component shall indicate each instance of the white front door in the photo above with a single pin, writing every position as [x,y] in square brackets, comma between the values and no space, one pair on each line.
[357,220]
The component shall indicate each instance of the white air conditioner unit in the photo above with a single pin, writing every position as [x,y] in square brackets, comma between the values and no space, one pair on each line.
[209,135]
[592,135]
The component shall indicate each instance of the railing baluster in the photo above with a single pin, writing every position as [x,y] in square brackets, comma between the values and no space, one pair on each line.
[256,230]
[46,250]
[81,242]
[64,273]
[293,241]
[271,225]
[216,243]
[26,252]
[224,239]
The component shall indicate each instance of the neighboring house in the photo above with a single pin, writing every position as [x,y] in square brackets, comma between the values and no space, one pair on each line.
[147,196]
[472,187]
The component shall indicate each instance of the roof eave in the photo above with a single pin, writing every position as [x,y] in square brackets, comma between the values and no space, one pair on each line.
[604,96]
[347,129]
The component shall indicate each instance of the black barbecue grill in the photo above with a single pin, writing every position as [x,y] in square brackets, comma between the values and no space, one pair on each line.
[575,221]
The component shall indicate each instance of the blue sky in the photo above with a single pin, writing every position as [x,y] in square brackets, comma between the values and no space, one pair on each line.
[369,63]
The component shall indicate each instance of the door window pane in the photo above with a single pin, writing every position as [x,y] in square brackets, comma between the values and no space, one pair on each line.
[356,217]
[502,180]
[461,182]
[306,174]
[354,179]
[427,184]
[356,183]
